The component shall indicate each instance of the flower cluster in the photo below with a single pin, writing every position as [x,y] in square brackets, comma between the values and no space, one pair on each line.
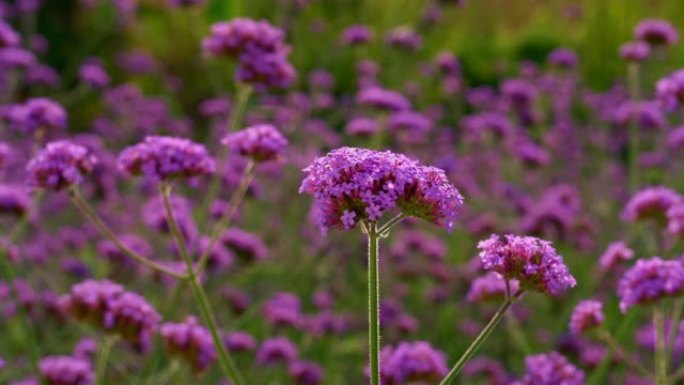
[191,342]
[261,143]
[162,158]
[412,362]
[14,200]
[616,253]
[656,32]
[670,90]
[66,370]
[353,184]
[108,306]
[650,280]
[587,315]
[650,203]
[38,114]
[382,99]
[259,47]
[635,51]
[550,369]
[532,261]
[491,287]
[60,164]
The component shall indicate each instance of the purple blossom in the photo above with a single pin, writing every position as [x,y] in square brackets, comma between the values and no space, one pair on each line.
[8,36]
[66,370]
[38,114]
[306,373]
[60,164]
[650,203]
[412,362]
[656,32]
[261,143]
[675,220]
[550,369]
[635,51]
[645,114]
[563,58]
[649,281]
[403,37]
[240,342]
[162,158]
[16,58]
[283,309]
[587,315]
[382,99]
[93,73]
[277,350]
[532,261]
[491,287]
[670,90]
[362,127]
[14,200]
[357,35]
[369,183]
[247,246]
[191,342]
[615,254]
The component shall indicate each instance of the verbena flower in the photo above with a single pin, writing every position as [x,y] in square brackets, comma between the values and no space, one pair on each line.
[306,373]
[670,90]
[191,342]
[587,315]
[66,370]
[635,51]
[353,184]
[14,200]
[650,280]
[261,143]
[491,287]
[412,362]
[93,73]
[8,36]
[532,261]
[563,57]
[60,164]
[550,369]
[651,203]
[382,99]
[38,114]
[240,342]
[616,253]
[278,350]
[656,32]
[357,35]
[163,158]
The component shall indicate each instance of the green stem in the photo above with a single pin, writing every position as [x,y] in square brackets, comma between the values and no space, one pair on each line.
[383,231]
[633,85]
[373,303]
[674,327]
[629,359]
[227,364]
[103,358]
[87,210]
[451,377]
[227,216]
[236,116]
[660,354]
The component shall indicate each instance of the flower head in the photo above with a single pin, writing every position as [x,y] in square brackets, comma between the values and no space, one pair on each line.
[635,51]
[656,32]
[93,74]
[491,287]
[66,370]
[650,280]
[550,369]
[532,261]
[382,99]
[38,114]
[262,142]
[352,184]
[616,253]
[14,200]
[650,203]
[412,362]
[670,90]
[8,36]
[586,316]
[277,350]
[563,58]
[163,157]
[60,164]
[191,342]
[357,35]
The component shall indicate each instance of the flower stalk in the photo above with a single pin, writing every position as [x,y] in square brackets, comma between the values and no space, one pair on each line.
[373,302]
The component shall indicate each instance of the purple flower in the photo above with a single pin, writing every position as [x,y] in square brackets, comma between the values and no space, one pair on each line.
[277,350]
[261,143]
[382,99]
[410,125]
[675,220]
[550,369]
[66,370]
[650,203]
[16,58]
[14,200]
[60,164]
[670,90]
[563,57]
[369,183]
[246,246]
[412,362]
[306,373]
[191,342]
[93,73]
[488,368]
[587,315]
[362,127]
[520,93]
[645,114]
[283,309]
[8,36]
[635,51]
[650,280]
[240,342]
[185,3]
[357,35]
[163,157]
[37,115]
[656,32]
[491,287]
[616,253]
[403,37]
[532,261]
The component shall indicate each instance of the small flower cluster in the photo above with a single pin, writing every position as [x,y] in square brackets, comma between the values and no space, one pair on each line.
[670,90]
[14,200]
[352,184]
[491,287]
[261,143]
[191,342]
[412,362]
[550,369]
[616,253]
[66,370]
[108,306]
[259,47]
[60,164]
[587,315]
[38,114]
[163,158]
[532,261]
[650,203]
[650,280]
[656,32]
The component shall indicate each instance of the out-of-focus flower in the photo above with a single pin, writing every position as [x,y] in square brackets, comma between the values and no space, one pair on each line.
[191,342]
[162,158]
[615,254]
[491,287]
[403,37]
[670,90]
[656,32]
[650,203]
[635,51]
[38,114]
[357,35]
[532,261]
[649,280]
[306,373]
[8,36]
[352,184]
[550,369]
[412,362]
[66,370]
[261,143]
[587,315]
[93,73]
[60,164]
[563,58]
[277,350]
[14,200]
[382,99]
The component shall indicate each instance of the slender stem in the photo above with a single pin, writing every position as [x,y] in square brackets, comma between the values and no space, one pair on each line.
[87,210]
[236,116]
[674,327]
[451,377]
[628,358]
[224,221]
[102,358]
[373,303]
[660,358]
[225,359]
[384,229]
[633,85]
